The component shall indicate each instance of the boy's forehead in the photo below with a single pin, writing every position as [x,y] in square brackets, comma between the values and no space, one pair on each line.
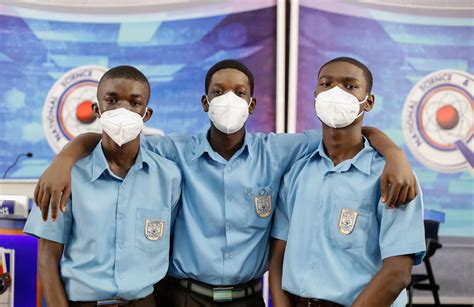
[342,70]
[123,84]
[230,75]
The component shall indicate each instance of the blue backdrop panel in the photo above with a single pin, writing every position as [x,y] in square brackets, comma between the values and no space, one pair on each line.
[174,54]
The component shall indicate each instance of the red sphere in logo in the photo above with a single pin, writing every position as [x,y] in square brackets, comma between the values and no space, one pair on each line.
[84,112]
[447,117]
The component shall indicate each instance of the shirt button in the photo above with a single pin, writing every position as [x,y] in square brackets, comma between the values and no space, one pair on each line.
[124,186]
[229,168]
[229,198]
[120,276]
[227,227]
[121,246]
[303,293]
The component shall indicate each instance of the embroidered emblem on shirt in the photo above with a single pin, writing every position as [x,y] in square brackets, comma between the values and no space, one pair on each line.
[347,221]
[154,229]
[263,205]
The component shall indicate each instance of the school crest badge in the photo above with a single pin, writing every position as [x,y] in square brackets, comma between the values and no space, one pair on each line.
[347,221]
[154,229]
[263,205]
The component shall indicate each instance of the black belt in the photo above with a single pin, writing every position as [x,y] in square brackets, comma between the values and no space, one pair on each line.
[313,302]
[224,293]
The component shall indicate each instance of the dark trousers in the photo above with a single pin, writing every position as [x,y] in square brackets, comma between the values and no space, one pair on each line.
[148,301]
[170,294]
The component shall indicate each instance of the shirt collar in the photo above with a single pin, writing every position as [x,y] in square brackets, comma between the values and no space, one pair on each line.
[201,146]
[100,164]
[362,161]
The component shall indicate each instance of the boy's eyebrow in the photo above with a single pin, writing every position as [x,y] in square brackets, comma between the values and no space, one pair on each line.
[242,85]
[222,85]
[131,95]
[351,79]
[326,77]
[345,78]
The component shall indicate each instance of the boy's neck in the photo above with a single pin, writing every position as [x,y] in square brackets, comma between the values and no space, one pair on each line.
[226,145]
[120,159]
[342,144]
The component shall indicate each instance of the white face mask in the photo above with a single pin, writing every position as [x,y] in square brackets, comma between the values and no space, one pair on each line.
[121,125]
[337,108]
[228,112]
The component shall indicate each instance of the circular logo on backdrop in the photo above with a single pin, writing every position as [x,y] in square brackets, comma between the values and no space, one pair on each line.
[67,109]
[437,121]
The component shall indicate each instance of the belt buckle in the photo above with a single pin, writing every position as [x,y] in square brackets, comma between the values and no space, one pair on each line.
[222,294]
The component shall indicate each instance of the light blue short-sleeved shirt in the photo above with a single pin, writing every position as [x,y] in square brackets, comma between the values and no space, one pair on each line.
[116,231]
[222,229]
[336,228]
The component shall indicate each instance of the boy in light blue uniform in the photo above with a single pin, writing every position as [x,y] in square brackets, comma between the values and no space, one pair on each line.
[114,236]
[335,243]
[230,186]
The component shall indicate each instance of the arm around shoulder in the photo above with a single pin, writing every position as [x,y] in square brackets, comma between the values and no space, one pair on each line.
[54,185]
[398,182]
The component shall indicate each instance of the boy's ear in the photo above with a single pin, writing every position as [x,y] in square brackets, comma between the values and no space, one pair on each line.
[252,105]
[205,103]
[148,114]
[95,109]
[369,103]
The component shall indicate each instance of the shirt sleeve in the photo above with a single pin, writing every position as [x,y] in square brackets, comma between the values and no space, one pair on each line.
[294,146]
[402,230]
[283,211]
[161,145]
[57,231]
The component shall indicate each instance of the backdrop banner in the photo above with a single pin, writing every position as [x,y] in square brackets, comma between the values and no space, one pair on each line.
[51,63]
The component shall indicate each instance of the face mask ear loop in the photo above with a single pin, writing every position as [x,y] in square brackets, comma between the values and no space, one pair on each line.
[146,109]
[98,107]
[363,101]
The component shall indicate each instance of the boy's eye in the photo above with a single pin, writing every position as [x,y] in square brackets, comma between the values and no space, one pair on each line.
[218,92]
[135,103]
[324,84]
[111,100]
[241,93]
[351,86]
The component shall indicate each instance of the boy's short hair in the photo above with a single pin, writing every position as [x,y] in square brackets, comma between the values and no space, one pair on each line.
[225,64]
[365,69]
[125,72]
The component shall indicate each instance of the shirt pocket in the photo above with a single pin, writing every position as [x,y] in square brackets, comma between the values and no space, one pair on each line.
[260,205]
[152,229]
[349,223]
